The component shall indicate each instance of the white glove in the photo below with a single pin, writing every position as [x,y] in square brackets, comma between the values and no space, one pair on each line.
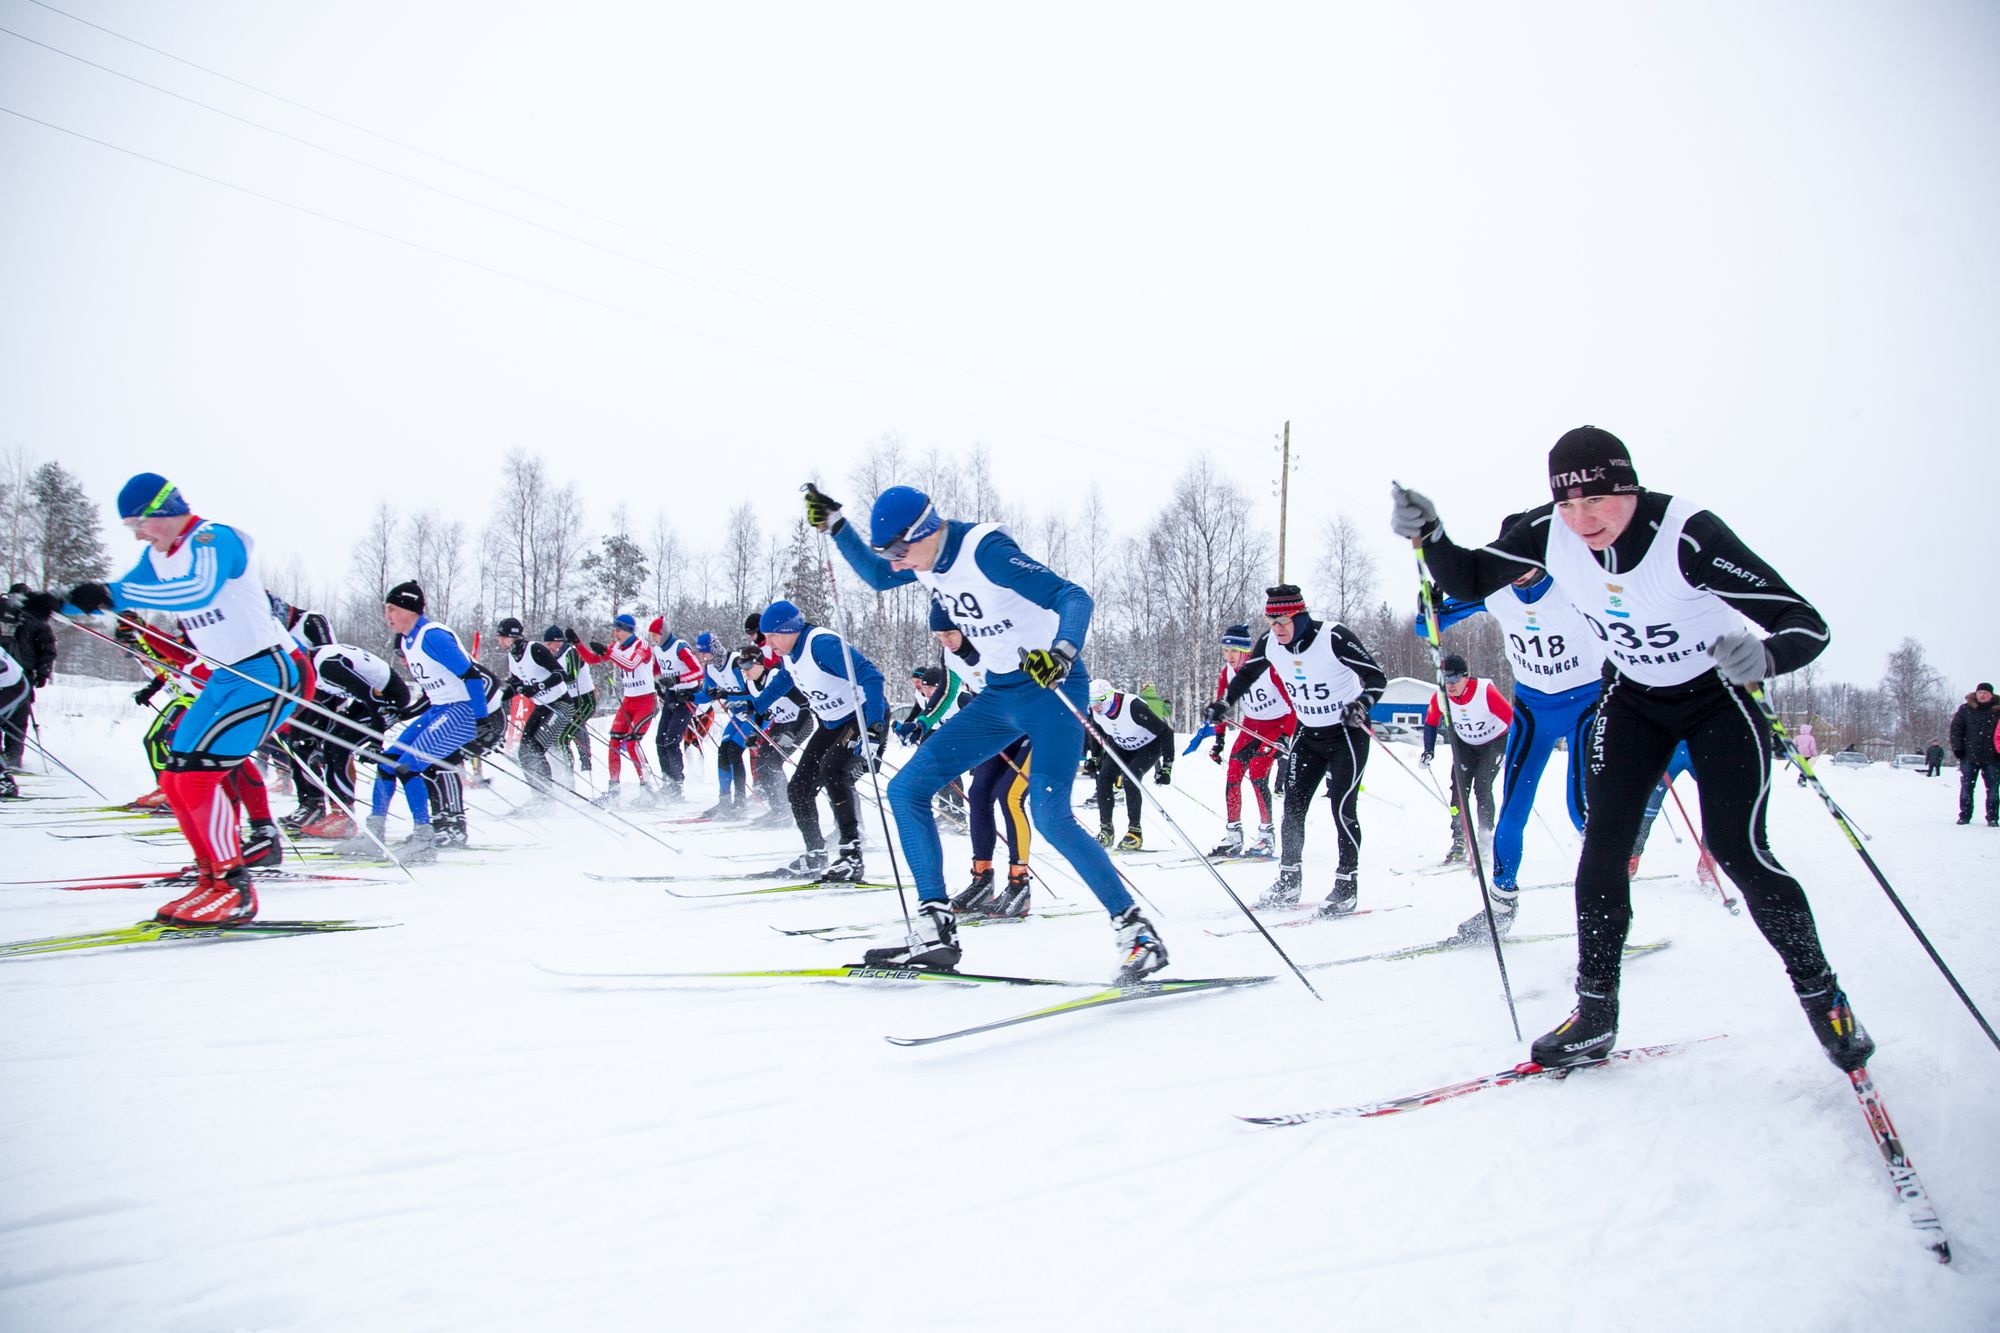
[1741,658]
[1411,514]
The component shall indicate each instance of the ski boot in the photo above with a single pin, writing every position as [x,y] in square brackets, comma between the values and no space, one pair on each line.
[1504,901]
[1140,949]
[1344,897]
[1847,1043]
[809,864]
[1106,835]
[366,846]
[330,824]
[1266,844]
[8,787]
[420,848]
[1456,856]
[1132,841]
[298,819]
[1284,893]
[1231,844]
[609,799]
[845,868]
[1587,1035]
[218,900]
[974,896]
[263,847]
[152,800]
[1011,901]
[932,944]
[448,832]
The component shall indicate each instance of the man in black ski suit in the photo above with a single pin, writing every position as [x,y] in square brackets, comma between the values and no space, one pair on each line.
[1972,745]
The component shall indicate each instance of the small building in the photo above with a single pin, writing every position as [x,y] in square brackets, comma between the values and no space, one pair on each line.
[1404,700]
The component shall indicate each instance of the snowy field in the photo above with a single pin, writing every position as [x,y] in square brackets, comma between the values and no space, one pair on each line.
[417,1128]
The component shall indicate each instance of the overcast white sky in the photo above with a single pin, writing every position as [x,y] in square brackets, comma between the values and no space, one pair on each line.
[1756,240]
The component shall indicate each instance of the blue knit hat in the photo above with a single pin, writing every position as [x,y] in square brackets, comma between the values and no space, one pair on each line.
[626,623]
[150,495]
[781,617]
[704,642]
[1237,636]
[901,514]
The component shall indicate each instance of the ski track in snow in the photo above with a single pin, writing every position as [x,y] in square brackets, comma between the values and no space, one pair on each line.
[418,1129]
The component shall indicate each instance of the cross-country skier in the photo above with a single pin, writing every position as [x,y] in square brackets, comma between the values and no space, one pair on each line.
[446,780]
[633,658]
[1333,683]
[535,670]
[364,695]
[1145,744]
[13,697]
[455,700]
[774,739]
[1029,624]
[680,677]
[1264,730]
[201,571]
[572,743]
[844,690]
[1665,586]
[1558,674]
[1479,722]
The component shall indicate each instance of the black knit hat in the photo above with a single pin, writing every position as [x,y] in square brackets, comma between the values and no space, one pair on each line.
[1591,461]
[1284,600]
[509,628]
[1454,665]
[406,595]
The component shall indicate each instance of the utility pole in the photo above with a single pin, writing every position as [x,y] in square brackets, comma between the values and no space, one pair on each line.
[1284,494]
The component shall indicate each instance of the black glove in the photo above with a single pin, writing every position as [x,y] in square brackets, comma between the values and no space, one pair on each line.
[1090,766]
[144,694]
[1216,713]
[1357,715]
[598,648]
[569,636]
[1163,776]
[510,689]
[416,707]
[490,732]
[90,598]
[1047,666]
[822,511]
[42,605]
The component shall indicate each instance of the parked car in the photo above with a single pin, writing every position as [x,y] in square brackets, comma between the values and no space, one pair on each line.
[1851,759]
[1909,761]
[1396,731]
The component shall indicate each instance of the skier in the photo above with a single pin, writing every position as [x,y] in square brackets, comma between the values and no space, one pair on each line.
[535,670]
[1028,624]
[364,695]
[633,657]
[201,571]
[572,744]
[25,632]
[1558,675]
[454,703]
[1663,584]
[1264,730]
[1143,742]
[844,690]
[13,697]
[1973,744]
[1480,720]
[775,739]
[445,781]
[728,696]
[680,676]
[1333,683]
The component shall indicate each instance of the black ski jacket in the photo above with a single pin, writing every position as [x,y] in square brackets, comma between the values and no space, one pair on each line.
[1972,730]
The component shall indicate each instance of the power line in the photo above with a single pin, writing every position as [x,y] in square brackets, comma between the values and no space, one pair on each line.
[1207,430]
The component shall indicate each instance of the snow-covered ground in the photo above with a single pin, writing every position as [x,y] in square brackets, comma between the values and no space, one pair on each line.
[417,1128]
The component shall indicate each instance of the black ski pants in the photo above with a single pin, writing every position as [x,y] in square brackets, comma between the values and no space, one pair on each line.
[1338,755]
[1729,743]
[1969,771]
[674,718]
[1141,761]
[1474,768]
[826,764]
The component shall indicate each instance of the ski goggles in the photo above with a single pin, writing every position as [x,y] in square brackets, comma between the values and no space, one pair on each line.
[899,546]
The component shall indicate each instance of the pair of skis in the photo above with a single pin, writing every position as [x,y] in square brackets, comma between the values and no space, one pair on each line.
[159,932]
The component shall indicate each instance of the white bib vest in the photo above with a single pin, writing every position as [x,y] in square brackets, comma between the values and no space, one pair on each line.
[544,686]
[1321,685]
[10,670]
[439,685]
[1655,628]
[1474,721]
[1115,720]
[1263,701]
[999,622]
[238,623]
[374,672]
[1549,643]
[830,696]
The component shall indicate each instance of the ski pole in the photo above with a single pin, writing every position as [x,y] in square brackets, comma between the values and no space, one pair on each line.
[1427,590]
[1112,752]
[1840,817]
[1704,863]
[344,808]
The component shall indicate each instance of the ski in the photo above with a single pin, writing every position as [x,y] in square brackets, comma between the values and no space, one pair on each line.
[1910,1191]
[1142,990]
[1571,884]
[855,972]
[964,923]
[857,886]
[1446,945]
[168,879]
[1520,1073]
[1311,916]
[1227,859]
[159,932]
[726,877]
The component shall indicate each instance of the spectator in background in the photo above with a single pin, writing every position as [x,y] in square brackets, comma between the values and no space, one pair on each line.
[1808,747]
[1972,746]
[1934,760]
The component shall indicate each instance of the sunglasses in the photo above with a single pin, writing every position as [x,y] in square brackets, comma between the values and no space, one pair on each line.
[898,547]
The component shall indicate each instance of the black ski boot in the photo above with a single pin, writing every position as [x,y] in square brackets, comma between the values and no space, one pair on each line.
[845,868]
[1011,901]
[1141,952]
[809,864]
[263,847]
[933,944]
[1587,1035]
[973,897]
[1284,893]
[1847,1043]
[1345,897]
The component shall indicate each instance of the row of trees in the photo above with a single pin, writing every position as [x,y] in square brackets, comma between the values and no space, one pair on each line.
[1162,595]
